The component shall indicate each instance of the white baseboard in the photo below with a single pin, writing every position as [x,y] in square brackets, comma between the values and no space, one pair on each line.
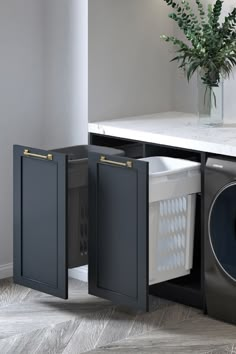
[80,273]
[6,270]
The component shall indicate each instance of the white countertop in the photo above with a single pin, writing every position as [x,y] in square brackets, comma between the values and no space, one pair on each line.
[172,129]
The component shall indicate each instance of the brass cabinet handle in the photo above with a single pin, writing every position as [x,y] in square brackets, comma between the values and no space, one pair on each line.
[128,164]
[38,156]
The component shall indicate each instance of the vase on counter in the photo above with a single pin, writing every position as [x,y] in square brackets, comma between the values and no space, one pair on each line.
[210,103]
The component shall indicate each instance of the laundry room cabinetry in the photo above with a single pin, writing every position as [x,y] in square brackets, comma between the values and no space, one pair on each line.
[118,218]
[118,199]
[51,215]
[187,289]
[211,283]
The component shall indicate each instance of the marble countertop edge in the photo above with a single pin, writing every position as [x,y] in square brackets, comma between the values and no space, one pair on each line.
[181,133]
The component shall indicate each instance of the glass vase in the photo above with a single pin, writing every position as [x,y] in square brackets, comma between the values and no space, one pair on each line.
[210,104]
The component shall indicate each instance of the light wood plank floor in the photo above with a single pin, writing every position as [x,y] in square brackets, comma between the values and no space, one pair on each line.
[32,322]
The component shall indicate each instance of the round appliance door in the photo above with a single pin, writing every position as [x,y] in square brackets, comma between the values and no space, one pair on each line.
[222,229]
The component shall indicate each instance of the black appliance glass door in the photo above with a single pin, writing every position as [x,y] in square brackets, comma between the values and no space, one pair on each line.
[222,229]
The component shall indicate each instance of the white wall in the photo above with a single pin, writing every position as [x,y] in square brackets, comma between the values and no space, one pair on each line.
[129,70]
[66,67]
[43,88]
[184,93]
[20,100]
[230,84]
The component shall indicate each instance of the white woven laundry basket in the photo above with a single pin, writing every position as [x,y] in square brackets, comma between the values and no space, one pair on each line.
[173,184]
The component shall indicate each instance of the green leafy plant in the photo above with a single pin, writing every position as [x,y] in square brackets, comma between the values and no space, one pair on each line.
[210,46]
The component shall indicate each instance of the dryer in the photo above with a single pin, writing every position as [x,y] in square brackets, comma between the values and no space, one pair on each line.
[220,238]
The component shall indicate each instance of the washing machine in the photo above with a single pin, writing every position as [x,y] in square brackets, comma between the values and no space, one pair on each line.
[220,238]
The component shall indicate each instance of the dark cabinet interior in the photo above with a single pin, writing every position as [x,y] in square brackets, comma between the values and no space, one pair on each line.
[77,200]
[58,198]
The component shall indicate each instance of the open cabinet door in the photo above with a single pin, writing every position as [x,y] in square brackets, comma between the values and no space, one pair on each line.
[118,230]
[40,213]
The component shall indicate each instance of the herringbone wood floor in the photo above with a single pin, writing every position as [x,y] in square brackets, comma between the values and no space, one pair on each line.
[32,322]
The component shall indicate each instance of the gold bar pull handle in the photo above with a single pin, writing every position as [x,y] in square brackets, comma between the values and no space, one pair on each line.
[128,164]
[38,156]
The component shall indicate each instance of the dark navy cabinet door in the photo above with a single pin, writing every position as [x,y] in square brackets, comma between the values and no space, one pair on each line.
[40,213]
[118,230]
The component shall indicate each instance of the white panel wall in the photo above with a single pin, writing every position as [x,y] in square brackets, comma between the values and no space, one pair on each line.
[43,88]
[66,67]
[20,100]
[129,70]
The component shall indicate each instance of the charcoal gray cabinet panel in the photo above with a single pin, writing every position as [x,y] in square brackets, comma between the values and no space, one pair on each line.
[118,230]
[40,215]
[46,209]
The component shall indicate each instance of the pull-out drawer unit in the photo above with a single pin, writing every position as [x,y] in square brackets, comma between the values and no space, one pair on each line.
[50,221]
[124,207]
[51,215]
